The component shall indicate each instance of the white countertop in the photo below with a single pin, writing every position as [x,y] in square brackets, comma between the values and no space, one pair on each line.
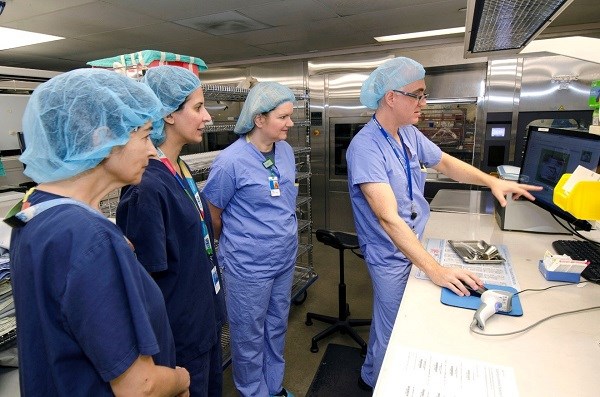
[557,358]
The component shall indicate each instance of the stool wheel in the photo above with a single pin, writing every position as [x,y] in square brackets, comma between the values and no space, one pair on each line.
[308,321]
[300,299]
[314,348]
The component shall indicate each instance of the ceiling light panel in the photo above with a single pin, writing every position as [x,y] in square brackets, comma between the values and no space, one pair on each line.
[13,38]
[506,26]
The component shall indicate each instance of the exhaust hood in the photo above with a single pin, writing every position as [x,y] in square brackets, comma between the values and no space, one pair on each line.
[504,27]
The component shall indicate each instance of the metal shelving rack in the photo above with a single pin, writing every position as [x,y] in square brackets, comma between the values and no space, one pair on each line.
[304,274]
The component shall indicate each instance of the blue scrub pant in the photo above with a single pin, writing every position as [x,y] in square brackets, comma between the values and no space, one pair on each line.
[389,283]
[258,315]
[206,372]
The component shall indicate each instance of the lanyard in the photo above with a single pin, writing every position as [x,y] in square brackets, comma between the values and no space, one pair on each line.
[195,200]
[268,163]
[406,165]
[23,211]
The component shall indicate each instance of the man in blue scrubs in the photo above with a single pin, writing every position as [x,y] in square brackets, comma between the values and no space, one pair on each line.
[387,163]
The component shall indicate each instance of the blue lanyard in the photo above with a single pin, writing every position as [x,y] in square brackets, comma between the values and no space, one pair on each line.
[270,165]
[406,165]
[195,199]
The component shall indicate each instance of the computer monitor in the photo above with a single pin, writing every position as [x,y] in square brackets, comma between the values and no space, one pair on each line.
[550,153]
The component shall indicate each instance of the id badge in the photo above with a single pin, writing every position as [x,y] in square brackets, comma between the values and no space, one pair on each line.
[274,186]
[215,279]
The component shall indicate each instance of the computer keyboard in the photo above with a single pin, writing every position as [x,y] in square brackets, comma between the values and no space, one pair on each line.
[582,250]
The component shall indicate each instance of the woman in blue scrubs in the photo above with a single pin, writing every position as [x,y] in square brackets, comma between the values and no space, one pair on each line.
[90,321]
[164,217]
[252,197]
[387,168]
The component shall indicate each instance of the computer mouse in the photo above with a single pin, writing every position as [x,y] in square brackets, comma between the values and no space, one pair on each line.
[474,292]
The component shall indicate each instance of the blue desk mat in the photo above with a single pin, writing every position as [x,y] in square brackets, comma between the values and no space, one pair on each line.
[472,302]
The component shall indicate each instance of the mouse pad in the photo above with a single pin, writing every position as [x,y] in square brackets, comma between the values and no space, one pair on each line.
[472,302]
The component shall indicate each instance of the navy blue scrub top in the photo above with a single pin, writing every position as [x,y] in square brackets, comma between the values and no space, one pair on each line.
[163,224]
[86,309]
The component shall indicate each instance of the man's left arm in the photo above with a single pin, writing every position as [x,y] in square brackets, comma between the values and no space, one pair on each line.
[466,173]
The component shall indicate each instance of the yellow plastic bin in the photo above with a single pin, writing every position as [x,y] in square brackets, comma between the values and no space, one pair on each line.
[583,201]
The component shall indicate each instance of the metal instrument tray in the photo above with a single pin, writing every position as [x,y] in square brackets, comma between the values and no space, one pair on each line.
[474,251]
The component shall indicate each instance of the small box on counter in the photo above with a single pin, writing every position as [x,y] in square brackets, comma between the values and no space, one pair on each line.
[558,276]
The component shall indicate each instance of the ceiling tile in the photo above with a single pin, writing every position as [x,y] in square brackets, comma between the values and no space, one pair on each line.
[83,20]
[333,28]
[208,50]
[22,10]
[146,37]
[59,48]
[289,12]
[586,11]
[353,7]
[223,23]
[408,19]
[180,9]
[34,61]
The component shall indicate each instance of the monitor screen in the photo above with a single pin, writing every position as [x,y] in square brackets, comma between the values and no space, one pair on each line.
[498,132]
[552,152]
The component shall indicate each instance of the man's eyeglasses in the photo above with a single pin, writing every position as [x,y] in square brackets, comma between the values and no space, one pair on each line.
[418,97]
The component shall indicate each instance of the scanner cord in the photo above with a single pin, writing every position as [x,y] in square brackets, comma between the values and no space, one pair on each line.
[476,331]
[547,288]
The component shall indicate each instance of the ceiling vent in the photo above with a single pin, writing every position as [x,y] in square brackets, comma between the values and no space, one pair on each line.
[503,27]
[224,23]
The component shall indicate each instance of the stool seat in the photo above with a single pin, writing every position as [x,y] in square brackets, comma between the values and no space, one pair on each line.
[337,240]
[342,323]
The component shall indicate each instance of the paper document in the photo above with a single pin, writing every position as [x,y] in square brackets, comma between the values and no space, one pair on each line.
[499,274]
[420,373]
[580,174]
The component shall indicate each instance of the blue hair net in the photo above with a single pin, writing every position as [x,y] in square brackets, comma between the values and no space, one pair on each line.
[172,85]
[391,75]
[72,121]
[263,97]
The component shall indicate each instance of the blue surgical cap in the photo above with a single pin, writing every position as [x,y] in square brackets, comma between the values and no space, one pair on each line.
[391,75]
[72,121]
[172,85]
[263,97]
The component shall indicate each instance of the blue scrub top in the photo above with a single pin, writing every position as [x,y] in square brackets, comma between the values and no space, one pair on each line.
[86,309]
[163,224]
[259,235]
[371,158]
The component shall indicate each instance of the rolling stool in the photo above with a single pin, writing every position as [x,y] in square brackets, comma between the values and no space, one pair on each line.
[340,241]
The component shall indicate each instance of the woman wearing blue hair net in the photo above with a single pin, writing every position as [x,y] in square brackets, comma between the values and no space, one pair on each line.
[387,163]
[164,218]
[90,321]
[252,197]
